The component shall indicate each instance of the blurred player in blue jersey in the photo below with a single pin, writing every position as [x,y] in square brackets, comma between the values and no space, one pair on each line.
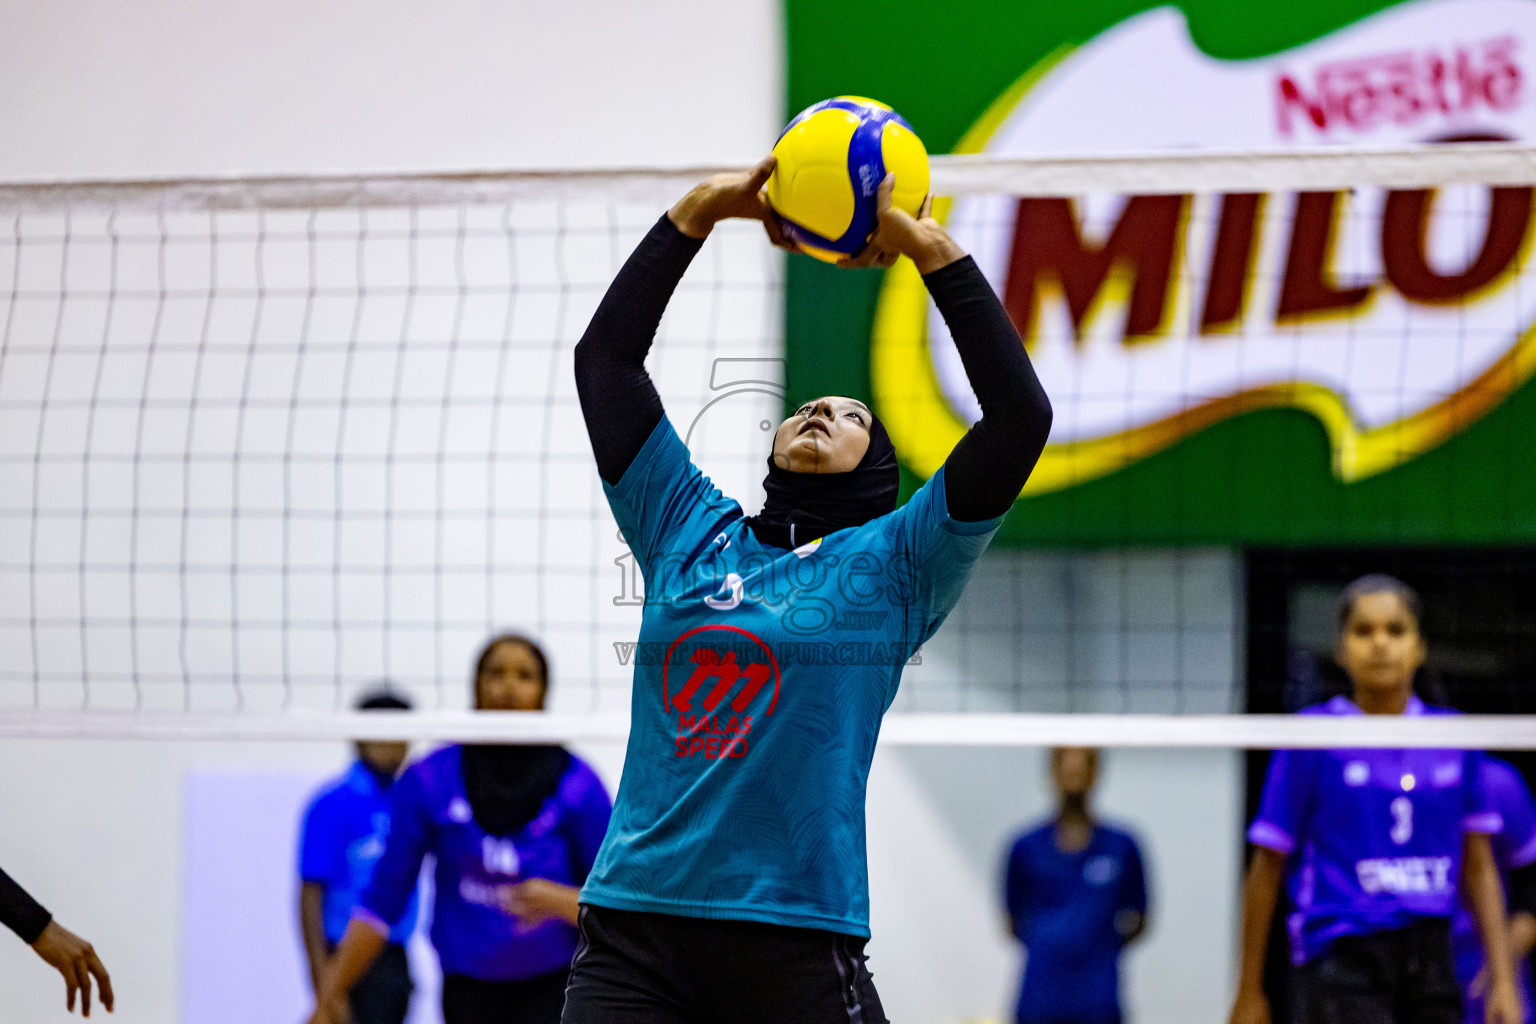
[1373,846]
[1076,895]
[732,885]
[345,829]
[514,831]
[1514,850]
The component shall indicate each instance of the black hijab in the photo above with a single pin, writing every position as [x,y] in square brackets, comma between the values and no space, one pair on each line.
[507,785]
[804,506]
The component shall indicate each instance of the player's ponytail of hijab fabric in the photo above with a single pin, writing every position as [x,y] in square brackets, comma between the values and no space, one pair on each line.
[804,506]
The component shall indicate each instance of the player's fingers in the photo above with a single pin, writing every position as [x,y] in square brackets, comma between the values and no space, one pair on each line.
[85,987]
[70,985]
[885,191]
[774,229]
[887,259]
[760,172]
[870,257]
[927,210]
[103,980]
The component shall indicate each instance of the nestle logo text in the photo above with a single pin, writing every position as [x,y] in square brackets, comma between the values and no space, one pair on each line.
[1403,88]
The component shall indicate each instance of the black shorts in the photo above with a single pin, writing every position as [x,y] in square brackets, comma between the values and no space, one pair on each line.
[535,1000]
[383,994]
[634,968]
[1402,976]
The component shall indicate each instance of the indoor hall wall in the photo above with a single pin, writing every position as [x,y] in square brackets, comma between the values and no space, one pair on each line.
[174,88]
[109,89]
[1153,631]
[145,88]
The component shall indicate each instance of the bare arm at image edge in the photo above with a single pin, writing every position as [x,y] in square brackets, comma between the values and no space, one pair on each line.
[1485,896]
[360,946]
[1261,889]
[1522,911]
[312,926]
[60,948]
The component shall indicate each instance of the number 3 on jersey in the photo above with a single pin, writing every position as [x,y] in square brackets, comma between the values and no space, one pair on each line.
[1402,820]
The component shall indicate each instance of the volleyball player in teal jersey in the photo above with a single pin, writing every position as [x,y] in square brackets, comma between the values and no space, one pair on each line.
[732,883]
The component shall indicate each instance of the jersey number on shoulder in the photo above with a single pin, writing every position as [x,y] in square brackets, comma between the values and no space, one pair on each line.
[1402,820]
[730,597]
[499,856]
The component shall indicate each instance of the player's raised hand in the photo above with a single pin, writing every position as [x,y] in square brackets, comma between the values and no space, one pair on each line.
[898,233]
[74,958]
[735,194]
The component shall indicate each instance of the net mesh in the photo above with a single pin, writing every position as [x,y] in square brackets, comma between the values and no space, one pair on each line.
[255,460]
[264,444]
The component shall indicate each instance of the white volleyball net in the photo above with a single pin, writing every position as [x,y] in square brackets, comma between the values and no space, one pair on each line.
[265,444]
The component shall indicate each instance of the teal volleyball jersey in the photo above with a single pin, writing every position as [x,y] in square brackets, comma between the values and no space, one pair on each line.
[760,678]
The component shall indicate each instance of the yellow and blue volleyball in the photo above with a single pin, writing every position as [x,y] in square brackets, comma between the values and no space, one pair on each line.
[831,160]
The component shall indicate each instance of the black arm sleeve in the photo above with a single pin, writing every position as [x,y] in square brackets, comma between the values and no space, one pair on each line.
[618,400]
[988,467]
[1522,889]
[20,912]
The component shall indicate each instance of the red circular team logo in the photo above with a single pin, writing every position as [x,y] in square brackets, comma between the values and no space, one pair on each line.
[728,672]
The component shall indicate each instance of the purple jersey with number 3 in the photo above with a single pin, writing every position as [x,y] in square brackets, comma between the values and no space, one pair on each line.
[1513,847]
[1373,836]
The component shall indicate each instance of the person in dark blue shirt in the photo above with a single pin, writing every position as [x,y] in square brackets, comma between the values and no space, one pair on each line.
[345,829]
[1076,896]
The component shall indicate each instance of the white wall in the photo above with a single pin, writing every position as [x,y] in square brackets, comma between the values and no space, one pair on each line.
[171,88]
[1112,631]
[175,88]
[940,822]
[128,88]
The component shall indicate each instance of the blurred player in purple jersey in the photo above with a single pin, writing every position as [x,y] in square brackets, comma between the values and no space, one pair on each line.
[514,831]
[1373,846]
[1514,849]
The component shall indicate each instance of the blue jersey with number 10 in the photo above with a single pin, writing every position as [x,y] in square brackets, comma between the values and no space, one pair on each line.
[1374,836]
[760,679]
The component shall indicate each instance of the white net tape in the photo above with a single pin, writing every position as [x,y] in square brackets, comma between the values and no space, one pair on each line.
[974,729]
[1487,163]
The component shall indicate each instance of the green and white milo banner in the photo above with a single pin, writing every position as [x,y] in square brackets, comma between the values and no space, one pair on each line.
[1329,367]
